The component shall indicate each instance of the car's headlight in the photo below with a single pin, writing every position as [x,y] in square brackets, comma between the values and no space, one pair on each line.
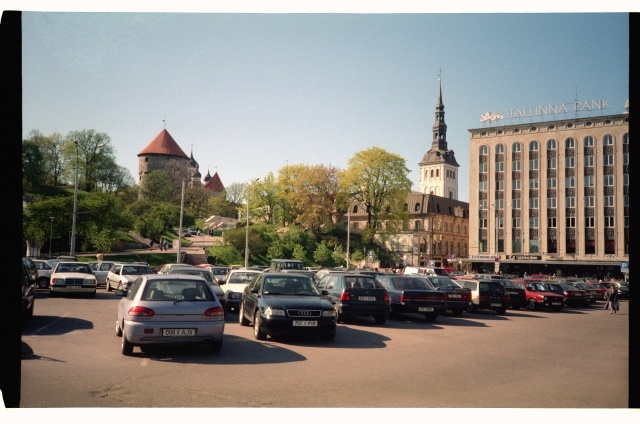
[331,313]
[274,312]
[90,281]
[58,281]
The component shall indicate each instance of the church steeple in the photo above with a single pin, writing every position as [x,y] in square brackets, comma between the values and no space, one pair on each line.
[439,141]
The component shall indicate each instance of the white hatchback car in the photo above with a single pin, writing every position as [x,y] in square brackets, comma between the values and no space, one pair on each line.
[101,270]
[45,268]
[167,309]
[73,277]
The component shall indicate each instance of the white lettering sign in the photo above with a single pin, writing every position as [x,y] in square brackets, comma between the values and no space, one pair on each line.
[550,109]
[488,116]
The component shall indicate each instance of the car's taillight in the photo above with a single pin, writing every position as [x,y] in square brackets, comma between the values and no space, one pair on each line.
[345,296]
[141,311]
[387,299]
[216,311]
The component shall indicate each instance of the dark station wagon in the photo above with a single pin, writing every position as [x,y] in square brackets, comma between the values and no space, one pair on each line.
[412,294]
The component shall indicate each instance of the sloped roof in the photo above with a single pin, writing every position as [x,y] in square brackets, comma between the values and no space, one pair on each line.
[214,184]
[163,144]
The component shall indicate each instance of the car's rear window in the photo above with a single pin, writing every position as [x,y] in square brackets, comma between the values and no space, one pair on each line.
[360,282]
[172,290]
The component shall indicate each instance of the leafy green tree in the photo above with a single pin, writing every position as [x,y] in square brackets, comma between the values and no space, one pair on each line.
[338,256]
[157,187]
[376,179]
[153,219]
[196,201]
[92,151]
[323,255]
[299,253]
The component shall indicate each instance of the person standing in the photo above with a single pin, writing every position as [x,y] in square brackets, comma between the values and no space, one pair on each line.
[612,298]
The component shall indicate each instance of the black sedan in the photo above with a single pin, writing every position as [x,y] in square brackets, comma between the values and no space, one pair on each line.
[411,294]
[281,304]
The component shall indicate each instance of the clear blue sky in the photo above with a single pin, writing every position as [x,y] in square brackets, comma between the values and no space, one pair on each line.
[251,92]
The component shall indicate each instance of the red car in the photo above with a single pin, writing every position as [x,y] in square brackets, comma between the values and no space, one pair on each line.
[539,295]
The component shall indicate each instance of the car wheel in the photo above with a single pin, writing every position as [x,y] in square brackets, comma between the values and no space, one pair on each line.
[29,311]
[501,311]
[127,348]
[215,347]
[118,329]
[472,308]
[107,286]
[430,317]
[43,283]
[241,318]
[532,305]
[92,295]
[258,332]
[381,319]
[457,312]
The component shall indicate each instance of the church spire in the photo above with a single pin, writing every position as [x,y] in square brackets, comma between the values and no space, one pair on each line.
[439,141]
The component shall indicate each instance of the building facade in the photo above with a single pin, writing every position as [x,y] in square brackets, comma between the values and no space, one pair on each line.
[552,195]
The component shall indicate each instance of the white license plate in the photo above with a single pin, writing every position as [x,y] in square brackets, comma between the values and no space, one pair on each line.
[499,305]
[178,332]
[74,287]
[426,309]
[299,323]
[367,298]
[456,296]
[556,303]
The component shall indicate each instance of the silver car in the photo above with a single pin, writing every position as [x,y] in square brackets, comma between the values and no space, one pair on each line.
[207,275]
[163,309]
[100,270]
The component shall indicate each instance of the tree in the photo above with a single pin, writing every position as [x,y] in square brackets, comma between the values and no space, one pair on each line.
[153,219]
[157,187]
[196,201]
[93,151]
[375,179]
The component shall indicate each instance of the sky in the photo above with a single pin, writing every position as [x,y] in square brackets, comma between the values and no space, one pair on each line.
[250,91]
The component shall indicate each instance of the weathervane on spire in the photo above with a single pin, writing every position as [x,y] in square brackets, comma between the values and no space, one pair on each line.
[164,122]
[439,75]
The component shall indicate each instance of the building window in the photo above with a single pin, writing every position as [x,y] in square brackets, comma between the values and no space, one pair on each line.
[590,222]
[571,222]
[551,144]
[533,222]
[552,183]
[626,200]
[515,222]
[533,146]
[589,202]
[533,203]
[516,147]
[499,166]
[625,179]
[588,141]
[533,164]
[551,202]
[500,185]
[570,202]
[608,180]
[417,225]
[570,182]
[589,180]
[500,149]
[625,158]
[484,168]
[551,222]
[500,222]
[552,163]
[482,204]
[416,207]
[607,159]
[484,150]
[533,183]
[499,204]
[515,184]
[483,185]
[483,222]
[515,203]
[608,202]
[588,161]
[515,165]
[569,143]
[609,222]
[607,140]
[569,162]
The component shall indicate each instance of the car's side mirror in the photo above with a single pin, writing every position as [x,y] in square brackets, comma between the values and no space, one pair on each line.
[255,289]
[120,292]
[325,292]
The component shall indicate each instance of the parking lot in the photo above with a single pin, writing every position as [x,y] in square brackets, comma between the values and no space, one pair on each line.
[577,358]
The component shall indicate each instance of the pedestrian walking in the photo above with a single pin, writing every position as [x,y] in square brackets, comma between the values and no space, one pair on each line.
[612,298]
[162,244]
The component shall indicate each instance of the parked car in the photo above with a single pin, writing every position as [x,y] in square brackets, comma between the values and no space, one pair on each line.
[623,289]
[235,283]
[591,293]
[207,275]
[356,295]
[101,270]
[599,289]
[219,272]
[458,298]
[31,267]
[409,294]
[166,267]
[539,295]
[28,292]
[574,296]
[517,294]
[73,277]
[163,309]
[121,275]
[44,268]
[283,304]
[486,294]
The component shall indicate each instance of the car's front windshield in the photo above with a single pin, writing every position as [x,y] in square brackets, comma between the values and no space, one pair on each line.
[296,286]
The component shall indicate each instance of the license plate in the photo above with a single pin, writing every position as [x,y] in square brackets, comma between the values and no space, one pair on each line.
[74,287]
[178,332]
[426,309]
[367,298]
[499,305]
[455,296]
[299,323]
[556,303]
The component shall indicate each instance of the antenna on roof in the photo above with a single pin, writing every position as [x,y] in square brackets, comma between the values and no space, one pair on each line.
[164,122]
[439,74]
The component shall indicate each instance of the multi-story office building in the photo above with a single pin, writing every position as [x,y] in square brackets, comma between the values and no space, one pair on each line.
[551,195]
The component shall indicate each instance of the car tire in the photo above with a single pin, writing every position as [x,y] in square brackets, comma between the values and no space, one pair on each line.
[531,305]
[457,312]
[215,347]
[43,283]
[107,286]
[501,311]
[92,295]
[258,332]
[381,319]
[118,329]
[242,320]
[472,308]
[126,346]
[430,317]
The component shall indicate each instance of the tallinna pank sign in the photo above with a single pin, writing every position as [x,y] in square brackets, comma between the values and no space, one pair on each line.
[550,109]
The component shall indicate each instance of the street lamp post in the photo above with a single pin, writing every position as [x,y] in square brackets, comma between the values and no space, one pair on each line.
[246,241]
[50,236]
[72,250]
